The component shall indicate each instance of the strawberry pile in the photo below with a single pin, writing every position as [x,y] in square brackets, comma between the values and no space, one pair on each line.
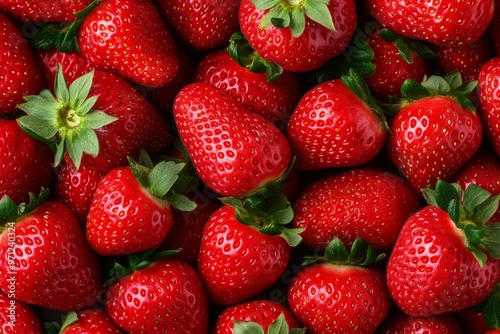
[249,166]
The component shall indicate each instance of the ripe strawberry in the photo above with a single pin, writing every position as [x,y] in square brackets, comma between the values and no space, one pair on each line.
[25,163]
[234,151]
[489,100]
[20,75]
[92,320]
[402,323]
[266,314]
[333,294]
[17,317]
[166,296]
[143,47]
[368,203]
[99,120]
[444,22]
[44,10]
[201,25]
[44,257]
[436,131]
[333,126]
[445,258]
[301,36]
[131,207]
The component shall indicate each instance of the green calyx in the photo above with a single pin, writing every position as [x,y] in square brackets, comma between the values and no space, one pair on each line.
[470,210]
[407,46]
[165,180]
[361,254]
[66,120]
[293,13]
[278,326]
[10,211]
[55,327]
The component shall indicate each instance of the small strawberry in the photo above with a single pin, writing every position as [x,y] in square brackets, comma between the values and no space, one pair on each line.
[17,317]
[201,25]
[445,258]
[401,323]
[43,253]
[235,152]
[489,100]
[334,294]
[336,124]
[299,36]
[92,320]
[436,130]
[43,10]
[443,22]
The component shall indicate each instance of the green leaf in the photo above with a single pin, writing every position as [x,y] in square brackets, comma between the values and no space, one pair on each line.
[297,21]
[97,119]
[41,106]
[454,211]
[491,242]
[412,90]
[43,128]
[8,210]
[492,309]
[247,327]
[45,39]
[474,196]
[486,210]
[181,202]
[61,149]
[69,319]
[317,10]
[264,4]
[73,146]
[162,177]
[336,252]
[437,85]
[60,86]
[279,325]
[454,79]
[79,89]
[446,193]
[292,236]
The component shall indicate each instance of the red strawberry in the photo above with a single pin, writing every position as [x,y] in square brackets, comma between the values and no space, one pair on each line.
[103,120]
[489,99]
[258,313]
[334,127]
[17,317]
[25,163]
[444,22]
[368,203]
[234,151]
[445,258]
[335,295]
[167,296]
[201,25]
[299,37]
[402,323]
[44,10]
[131,208]
[143,47]
[435,132]
[20,75]
[93,320]
[43,254]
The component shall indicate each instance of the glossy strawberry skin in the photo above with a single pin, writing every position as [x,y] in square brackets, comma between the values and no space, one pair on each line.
[20,75]
[326,298]
[43,11]
[369,203]
[201,25]
[465,22]
[431,272]
[55,268]
[488,90]
[331,113]
[17,317]
[95,321]
[166,297]
[123,26]
[123,217]
[234,151]
[403,323]
[261,311]
[237,261]
[308,51]
[433,138]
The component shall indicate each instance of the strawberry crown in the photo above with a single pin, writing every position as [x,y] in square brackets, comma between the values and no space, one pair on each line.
[65,120]
[470,210]
[54,327]
[10,211]
[278,326]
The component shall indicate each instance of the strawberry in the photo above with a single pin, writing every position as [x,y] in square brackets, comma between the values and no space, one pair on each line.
[159,296]
[369,203]
[436,130]
[473,322]
[489,100]
[92,320]
[335,112]
[402,323]
[445,258]
[25,163]
[20,75]
[131,207]
[333,294]
[44,10]
[201,25]
[17,317]
[234,152]
[44,257]
[101,120]
[299,36]
[444,22]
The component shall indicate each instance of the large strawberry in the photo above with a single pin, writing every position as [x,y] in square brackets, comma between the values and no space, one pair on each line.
[44,258]
[43,11]
[298,36]
[17,317]
[334,294]
[489,99]
[436,130]
[443,22]
[234,151]
[20,75]
[336,124]
[445,258]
